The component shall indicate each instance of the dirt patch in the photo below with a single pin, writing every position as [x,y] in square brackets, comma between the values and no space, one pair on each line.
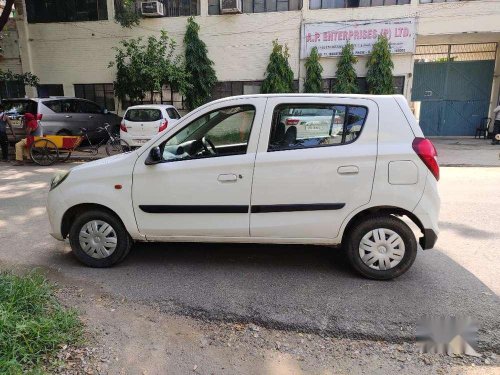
[129,338]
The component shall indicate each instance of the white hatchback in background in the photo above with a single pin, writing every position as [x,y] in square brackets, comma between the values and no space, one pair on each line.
[142,122]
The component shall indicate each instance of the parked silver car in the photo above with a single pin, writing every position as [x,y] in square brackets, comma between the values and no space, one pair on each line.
[60,116]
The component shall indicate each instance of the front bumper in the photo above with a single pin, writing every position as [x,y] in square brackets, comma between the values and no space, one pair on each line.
[56,208]
[428,240]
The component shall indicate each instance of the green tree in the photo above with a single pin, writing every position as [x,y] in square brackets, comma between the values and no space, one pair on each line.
[347,81]
[312,83]
[27,79]
[146,66]
[379,76]
[198,66]
[126,13]
[279,75]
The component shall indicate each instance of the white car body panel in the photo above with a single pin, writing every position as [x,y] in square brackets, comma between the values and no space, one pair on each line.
[291,177]
[312,176]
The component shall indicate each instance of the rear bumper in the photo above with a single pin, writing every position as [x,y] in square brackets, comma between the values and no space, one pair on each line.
[135,141]
[428,240]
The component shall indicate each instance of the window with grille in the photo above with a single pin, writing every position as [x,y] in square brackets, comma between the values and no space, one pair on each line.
[233,88]
[328,4]
[178,8]
[43,11]
[101,93]
[259,6]
[455,52]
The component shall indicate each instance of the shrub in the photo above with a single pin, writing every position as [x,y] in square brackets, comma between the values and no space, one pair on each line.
[279,75]
[379,76]
[347,81]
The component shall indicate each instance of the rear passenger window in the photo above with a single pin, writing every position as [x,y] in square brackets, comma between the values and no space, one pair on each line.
[143,115]
[54,105]
[297,126]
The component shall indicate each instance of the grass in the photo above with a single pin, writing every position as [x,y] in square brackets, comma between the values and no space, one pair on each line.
[33,325]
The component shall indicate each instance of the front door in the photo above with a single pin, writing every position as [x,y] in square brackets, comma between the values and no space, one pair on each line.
[308,177]
[202,186]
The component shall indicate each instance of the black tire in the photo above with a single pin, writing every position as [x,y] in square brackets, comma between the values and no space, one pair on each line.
[123,240]
[44,152]
[64,156]
[364,227]
[117,146]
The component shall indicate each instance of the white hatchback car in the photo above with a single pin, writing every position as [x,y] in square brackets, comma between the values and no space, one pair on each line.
[227,172]
[142,122]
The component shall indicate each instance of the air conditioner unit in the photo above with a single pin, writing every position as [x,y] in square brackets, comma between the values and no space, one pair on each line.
[230,6]
[152,8]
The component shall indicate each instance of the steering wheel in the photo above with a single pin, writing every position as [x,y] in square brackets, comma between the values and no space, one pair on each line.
[207,142]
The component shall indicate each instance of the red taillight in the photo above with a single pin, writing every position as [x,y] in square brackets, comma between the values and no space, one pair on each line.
[292,121]
[427,152]
[39,116]
[123,128]
[163,126]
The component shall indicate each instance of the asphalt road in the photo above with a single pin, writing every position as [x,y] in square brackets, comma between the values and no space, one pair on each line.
[292,287]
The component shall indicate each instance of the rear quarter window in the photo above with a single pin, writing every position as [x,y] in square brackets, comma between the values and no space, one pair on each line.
[143,115]
[173,114]
[20,107]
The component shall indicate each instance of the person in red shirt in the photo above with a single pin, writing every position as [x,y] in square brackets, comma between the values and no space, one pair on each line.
[33,129]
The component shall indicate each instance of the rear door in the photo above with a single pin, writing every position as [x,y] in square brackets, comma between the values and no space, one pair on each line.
[93,112]
[63,116]
[306,183]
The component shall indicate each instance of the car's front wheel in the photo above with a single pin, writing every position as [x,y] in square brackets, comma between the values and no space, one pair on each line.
[99,239]
[381,247]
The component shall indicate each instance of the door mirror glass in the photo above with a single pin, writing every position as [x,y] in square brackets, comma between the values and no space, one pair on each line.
[154,156]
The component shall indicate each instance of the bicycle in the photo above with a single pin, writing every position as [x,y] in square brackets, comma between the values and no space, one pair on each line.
[113,145]
[51,148]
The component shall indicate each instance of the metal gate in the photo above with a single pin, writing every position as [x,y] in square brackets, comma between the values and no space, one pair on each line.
[453,84]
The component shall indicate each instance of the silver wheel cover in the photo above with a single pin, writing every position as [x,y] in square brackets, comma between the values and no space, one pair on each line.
[98,239]
[381,249]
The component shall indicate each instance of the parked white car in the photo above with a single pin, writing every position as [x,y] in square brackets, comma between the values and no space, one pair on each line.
[227,173]
[142,122]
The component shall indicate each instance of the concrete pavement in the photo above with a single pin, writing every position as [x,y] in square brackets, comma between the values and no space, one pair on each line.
[466,151]
[294,287]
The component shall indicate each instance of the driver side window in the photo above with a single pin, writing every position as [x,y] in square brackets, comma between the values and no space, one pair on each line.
[222,132]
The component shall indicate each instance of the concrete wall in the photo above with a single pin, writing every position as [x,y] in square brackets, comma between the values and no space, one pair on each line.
[10,58]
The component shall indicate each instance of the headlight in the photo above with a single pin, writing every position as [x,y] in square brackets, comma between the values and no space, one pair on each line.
[57,179]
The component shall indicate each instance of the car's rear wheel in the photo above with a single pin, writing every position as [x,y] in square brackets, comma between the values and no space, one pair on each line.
[381,247]
[99,239]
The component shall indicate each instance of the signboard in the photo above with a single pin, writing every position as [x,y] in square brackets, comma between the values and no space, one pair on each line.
[330,37]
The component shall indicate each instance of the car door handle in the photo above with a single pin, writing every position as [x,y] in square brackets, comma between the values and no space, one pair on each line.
[348,169]
[91,116]
[68,116]
[230,177]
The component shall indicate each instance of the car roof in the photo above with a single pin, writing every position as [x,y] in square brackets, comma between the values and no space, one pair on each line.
[151,106]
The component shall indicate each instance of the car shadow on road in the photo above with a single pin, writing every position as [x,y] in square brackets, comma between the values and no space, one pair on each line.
[465,230]
[311,257]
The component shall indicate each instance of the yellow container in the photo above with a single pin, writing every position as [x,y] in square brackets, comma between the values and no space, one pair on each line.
[62,142]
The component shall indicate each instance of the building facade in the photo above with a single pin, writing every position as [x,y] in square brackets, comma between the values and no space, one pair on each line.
[448,65]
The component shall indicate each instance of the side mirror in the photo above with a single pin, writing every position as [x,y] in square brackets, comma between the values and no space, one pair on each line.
[105,111]
[154,156]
